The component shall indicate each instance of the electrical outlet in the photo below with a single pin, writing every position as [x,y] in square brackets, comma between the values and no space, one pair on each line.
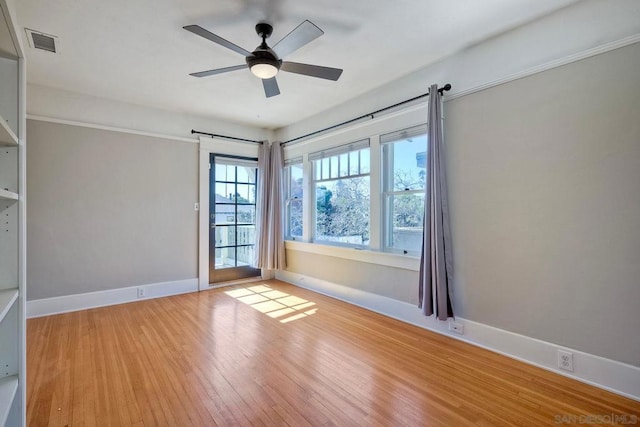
[565,360]
[458,328]
[142,292]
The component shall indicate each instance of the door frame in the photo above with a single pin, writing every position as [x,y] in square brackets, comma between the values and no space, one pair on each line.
[230,274]
[208,146]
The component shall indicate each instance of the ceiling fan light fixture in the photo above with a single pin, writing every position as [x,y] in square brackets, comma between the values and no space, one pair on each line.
[263,62]
[264,70]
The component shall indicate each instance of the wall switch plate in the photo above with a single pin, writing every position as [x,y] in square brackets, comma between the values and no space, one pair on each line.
[142,292]
[458,328]
[565,360]
[196,206]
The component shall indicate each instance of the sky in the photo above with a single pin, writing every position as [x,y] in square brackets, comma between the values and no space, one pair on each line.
[404,154]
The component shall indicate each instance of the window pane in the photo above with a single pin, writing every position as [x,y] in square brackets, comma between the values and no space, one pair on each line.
[334,166]
[344,164]
[221,172]
[295,218]
[225,257]
[225,193]
[244,255]
[246,214]
[225,214]
[325,168]
[354,163]
[296,181]
[317,166]
[246,193]
[246,234]
[323,209]
[406,212]
[225,235]
[245,174]
[409,164]
[342,211]
[364,161]
[293,204]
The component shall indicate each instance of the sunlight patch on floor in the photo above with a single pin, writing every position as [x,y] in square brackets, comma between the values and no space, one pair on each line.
[252,299]
[275,304]
[236,293]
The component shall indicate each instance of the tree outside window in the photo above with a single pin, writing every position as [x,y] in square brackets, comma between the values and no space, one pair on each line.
[342,195]
[404,182]
[294,189]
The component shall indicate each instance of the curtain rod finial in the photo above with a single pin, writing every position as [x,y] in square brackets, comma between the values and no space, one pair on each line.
[444,88]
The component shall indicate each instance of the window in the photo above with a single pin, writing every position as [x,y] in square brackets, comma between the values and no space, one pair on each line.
[403,185]
[293,199]
[341,193]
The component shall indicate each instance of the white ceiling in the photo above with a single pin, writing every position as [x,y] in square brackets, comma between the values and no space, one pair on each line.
[137,52]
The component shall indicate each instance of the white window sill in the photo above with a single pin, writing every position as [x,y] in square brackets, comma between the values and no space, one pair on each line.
[406,262]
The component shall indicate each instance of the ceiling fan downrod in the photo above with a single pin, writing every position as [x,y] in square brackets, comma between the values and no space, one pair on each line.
[264,30]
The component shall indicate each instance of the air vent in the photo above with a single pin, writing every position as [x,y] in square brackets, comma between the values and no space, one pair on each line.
[42,41]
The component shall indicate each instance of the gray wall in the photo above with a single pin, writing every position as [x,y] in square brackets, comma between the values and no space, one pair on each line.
[544,182]
[107,210]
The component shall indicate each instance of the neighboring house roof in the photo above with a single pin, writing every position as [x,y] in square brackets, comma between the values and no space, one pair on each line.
[229,209]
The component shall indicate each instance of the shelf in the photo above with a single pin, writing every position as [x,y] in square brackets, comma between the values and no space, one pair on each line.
[7,48]
[7,137]
[8,195]
[8,388]
[7,298]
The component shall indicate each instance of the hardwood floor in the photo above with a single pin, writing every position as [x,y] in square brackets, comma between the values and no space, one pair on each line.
[273,354]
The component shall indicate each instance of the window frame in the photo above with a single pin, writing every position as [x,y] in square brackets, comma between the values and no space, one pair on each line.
[317,176]
[288,198]
[388,192]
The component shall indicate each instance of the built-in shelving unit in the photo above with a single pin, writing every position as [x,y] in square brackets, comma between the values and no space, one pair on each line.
[7,298]
[12,224]
[8,389]
[8,195]
[7,137]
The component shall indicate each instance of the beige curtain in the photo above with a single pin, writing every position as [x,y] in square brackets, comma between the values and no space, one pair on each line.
[270,251]
[262,198]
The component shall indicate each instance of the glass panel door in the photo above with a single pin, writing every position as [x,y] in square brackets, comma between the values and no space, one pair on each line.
[232,218]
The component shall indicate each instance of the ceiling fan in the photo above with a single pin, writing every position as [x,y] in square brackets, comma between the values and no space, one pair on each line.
[265,62]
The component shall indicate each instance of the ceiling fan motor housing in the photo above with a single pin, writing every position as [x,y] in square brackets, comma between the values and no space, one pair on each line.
[264,30]
[263,56]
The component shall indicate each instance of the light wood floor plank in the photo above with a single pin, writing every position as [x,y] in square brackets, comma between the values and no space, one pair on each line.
[273,354]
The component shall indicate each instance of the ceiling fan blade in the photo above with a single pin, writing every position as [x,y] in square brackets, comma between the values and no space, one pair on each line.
[312,70]
[270,87]
[196,29]
[300,36]
[218,71]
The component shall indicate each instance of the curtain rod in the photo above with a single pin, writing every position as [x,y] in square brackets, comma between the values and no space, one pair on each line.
[233,138]
[446,87]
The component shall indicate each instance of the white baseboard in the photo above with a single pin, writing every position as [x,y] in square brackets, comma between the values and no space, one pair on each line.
[611,375]
[67,303]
